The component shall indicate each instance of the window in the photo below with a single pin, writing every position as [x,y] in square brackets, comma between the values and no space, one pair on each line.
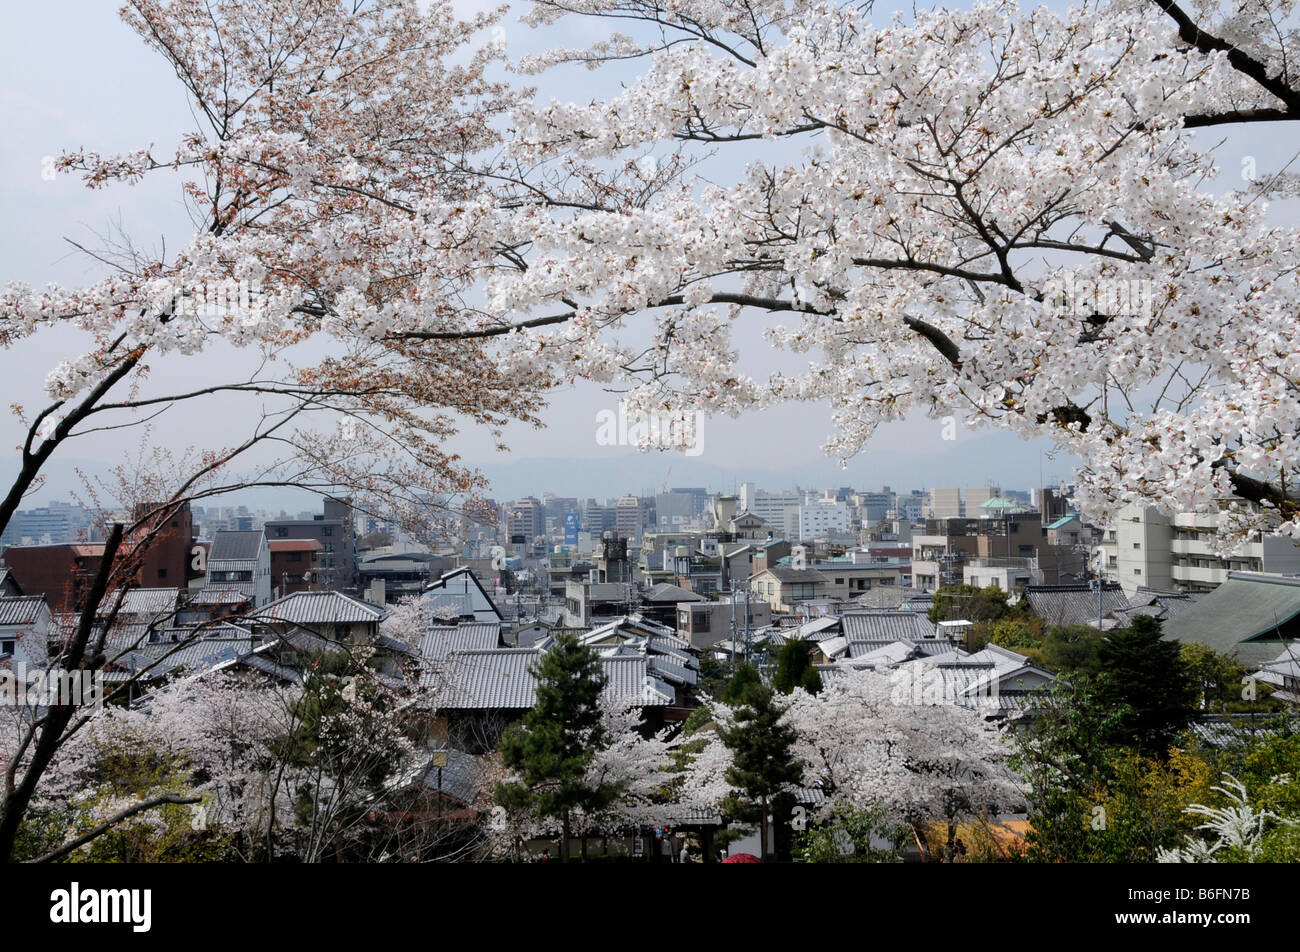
[6,647]
[293,556]
[1137,545]
[1137,571]
[327,530]
[162,573]
[1111,562]
[281,532]
[839,581]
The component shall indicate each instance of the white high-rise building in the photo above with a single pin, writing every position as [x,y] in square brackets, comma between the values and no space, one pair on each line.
[822,517]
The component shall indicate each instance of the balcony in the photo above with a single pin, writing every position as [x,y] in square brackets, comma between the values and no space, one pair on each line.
[1199,576]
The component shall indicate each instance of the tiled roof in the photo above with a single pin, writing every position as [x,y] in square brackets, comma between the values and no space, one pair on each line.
[834,647]
[667,592]
[1073,604]
[239,546]
[231,565]
[501,679]
[318,608]
[201,654]
[864,653]
[20,609]
[441,640]
[927,647]
[665,669]
[155,602]
[225,593]
[455,774]
[886,626]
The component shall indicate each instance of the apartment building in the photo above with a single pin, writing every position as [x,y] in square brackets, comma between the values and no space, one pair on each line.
[1144,546]
[944,504]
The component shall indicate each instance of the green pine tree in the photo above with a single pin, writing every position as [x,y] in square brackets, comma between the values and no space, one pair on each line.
[763,760]
[794,669]
[554,744]
[1148,677]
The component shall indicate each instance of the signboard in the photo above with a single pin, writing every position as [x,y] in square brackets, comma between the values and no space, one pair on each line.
[571,527]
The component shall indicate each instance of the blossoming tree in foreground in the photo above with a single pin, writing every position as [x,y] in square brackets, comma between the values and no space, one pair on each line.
[999,212]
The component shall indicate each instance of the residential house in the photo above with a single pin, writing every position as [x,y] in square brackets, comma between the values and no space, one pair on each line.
[240,561]
[783,587]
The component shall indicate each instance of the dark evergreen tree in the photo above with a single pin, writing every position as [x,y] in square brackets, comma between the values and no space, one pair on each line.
[794,669]
[763,760]
[1148,679]
[554,744]
[744,680]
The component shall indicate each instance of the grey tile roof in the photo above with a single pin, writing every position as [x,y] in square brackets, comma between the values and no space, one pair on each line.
[665,669]
[486,680]
[667,592]
[886,626]
[318,608]
[20,609]
[457,776]
[927,647]
[155,602]
[175,634]
[501,679]
[441,640]
[864,653]
[834,647]
[1239,731]
[236,545]
[225,593]
[201,654]
[1073,604]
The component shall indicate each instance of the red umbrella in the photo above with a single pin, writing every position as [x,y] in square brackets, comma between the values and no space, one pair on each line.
[743,858]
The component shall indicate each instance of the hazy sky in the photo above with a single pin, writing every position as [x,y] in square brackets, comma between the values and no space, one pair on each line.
[72,75]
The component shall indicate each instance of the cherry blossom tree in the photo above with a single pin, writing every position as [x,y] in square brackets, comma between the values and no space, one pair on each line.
[998,212]
[920,762]
[337,183]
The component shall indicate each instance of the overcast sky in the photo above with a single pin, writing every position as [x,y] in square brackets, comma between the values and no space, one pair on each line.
[72,75]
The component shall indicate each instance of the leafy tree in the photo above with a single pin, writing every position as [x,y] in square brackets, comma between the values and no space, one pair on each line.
[1072,649]
[794,669]
[762,750]
[850,836]
[1094,798]
[1217,676]
[971,603]
[343,743]
[553,746]
[1148,678]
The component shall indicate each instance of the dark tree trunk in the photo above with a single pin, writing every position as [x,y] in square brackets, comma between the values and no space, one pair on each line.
[59,716]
